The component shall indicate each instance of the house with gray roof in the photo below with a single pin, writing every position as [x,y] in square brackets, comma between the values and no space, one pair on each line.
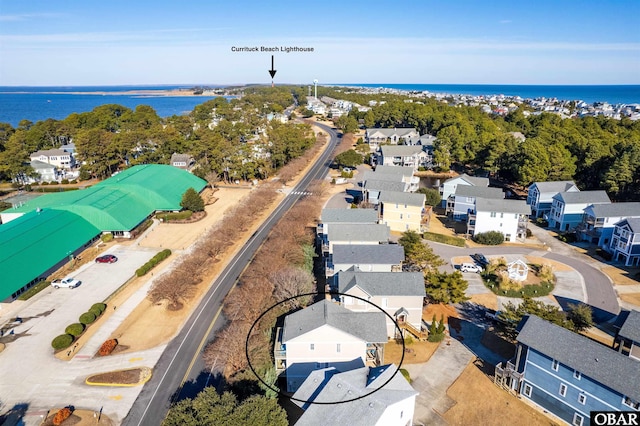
[507,216]
[568,374]
[449,186]
[325,335]
[372,188]
[625,242]
[404,173]
[354,233]
[598,221]
[366,258]
[413,156]
[182,161]
[56,157]
[628,337]
[400,294]
[463,200]
[46,172]
[368,396]
[345,216]
[377,136]
[540,195]
[567,208]
[402,211]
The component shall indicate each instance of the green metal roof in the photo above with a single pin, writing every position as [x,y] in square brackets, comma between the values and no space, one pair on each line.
[124,200]
[35,242]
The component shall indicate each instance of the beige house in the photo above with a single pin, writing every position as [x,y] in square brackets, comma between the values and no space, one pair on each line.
[399,294]
[56,157]
[325,335]
[402,211]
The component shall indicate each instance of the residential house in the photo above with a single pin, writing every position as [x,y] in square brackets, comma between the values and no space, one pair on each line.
[368,396]
[366,258]
[359,233]
[376,137]
[540,195]
[372,188]
[599,219]
[325,335]
[181,161]
[568,374]
[628,337]
[404,173]
[402,211]
[507,216]
[625,242]
[46,172]
[463,200]
[448,187]
[56,157]
[567,208]
[400,294]
[347,216]
[403,155]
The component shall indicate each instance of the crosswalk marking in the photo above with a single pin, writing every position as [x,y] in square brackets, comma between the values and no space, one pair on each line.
[301,193]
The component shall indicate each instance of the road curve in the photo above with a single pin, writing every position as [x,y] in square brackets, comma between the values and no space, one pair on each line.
[182,361]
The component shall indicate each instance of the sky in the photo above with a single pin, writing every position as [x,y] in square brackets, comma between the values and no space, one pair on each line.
[90,42]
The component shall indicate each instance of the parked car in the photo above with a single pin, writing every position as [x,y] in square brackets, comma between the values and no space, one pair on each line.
[107,258]
[480,259]
[470,267]
[65,283]
[347,169]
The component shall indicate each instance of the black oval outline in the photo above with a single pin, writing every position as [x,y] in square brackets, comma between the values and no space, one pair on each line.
[246,349]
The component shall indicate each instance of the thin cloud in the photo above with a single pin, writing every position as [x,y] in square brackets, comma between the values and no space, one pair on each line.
[505,21]
[29,16]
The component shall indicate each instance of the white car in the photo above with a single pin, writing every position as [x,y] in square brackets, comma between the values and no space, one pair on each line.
[470,267]
[65,283]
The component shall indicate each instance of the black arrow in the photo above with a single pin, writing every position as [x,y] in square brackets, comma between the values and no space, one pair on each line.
[272,72]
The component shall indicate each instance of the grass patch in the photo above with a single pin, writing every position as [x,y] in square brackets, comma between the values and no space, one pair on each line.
[34,290]
[492,282]
[445,239]
[167,217]
[55,189]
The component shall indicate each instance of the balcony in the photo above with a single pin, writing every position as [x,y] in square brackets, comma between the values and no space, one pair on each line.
[279,352]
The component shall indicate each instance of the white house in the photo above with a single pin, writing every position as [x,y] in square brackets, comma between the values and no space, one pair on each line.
[507,216]
[463,200]
[372,188]
[599,219]
[359,233]
[540,195]
[625,242]
[56,157]
[567,208]
[345,216]
[449,186]
[366,258]
[326,335]
[379,396]
[46,172]
[375,137]
[181,161]
[400,294]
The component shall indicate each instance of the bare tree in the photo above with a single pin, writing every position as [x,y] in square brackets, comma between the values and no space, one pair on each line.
[291,282]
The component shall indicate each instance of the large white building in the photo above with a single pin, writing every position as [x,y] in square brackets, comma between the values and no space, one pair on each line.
[507,216]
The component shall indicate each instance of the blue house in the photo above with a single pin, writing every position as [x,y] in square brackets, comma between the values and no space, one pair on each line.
[567,208]
[540,195]
[568,374]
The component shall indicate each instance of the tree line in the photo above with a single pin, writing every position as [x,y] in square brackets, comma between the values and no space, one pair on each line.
[231,139]
[595,152]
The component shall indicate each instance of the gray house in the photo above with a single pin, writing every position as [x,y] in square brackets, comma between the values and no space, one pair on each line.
[628,338]
[463,200]
[366,258]
[345,216]
[358,233]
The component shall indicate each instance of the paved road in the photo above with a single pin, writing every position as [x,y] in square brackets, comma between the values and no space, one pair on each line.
[182,361]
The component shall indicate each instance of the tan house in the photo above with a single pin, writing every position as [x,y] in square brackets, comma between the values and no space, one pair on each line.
[56,157]
[325,335]
[400,294]
[402,211]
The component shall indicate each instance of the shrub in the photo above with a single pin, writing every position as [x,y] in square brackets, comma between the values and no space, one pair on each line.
[153,262]
[62,415]
[408,340]
[44,183]
[95,311]
[106,237]
[62,341]
[444,239]
[100,306]
[544,223]
[529,233]
[64,181]
[73,181]
[604,254]
[489,238]
[333,181]
[87,318]
[406,374]
[74,329]
[107,347]
[568,237]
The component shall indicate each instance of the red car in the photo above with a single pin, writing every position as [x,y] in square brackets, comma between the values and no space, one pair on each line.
[107,258]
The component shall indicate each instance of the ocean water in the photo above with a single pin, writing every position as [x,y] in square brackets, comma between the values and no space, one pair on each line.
[619,94]
[38,103]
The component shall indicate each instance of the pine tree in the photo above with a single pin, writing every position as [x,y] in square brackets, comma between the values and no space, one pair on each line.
[191,200]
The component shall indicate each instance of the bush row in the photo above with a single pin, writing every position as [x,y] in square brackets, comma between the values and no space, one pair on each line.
[165,217]
[75,330]
[153,262]
[489,238]
[62,182]
[444,239]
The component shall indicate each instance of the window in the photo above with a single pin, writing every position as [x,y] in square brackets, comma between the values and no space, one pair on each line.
[501,215]
[322,365]
[515,216]
[576,375]
[577,420]
[312,346]
[400,215]
[630,403]
[563,389]
[554,365]
[527,390]
[493,214]
[507,237]
[337,347]
[582,399]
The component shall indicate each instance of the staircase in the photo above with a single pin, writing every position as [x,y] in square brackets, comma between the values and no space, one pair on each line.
[418,334]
